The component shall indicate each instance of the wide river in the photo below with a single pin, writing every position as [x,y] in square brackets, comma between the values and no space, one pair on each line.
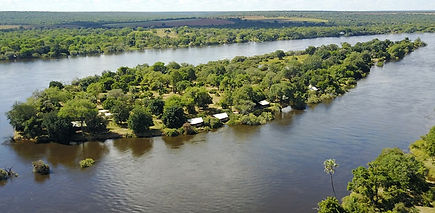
[276,167]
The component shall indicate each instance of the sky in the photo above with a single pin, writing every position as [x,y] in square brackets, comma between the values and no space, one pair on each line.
[212,5]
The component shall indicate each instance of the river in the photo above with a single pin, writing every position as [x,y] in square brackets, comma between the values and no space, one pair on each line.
[276,167]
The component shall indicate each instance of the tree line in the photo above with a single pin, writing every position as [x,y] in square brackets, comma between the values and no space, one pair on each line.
[53,43]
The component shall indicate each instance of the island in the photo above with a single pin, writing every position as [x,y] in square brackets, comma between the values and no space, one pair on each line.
[173,99]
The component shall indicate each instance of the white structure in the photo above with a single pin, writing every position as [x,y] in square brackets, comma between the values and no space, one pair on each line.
[264,103]
[77,124]
[196,121]
[313,88]
[221,116]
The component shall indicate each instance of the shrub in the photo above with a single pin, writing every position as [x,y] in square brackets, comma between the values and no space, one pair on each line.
[3,174]
[212,122]
[171,132]
[188,129]
[88,162]
[41,167]
[330,205]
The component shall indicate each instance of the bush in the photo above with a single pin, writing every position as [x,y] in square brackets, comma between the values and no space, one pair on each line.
[330,205]
[41,167]
[88,162]
[171,132]
[188,129]
[212,122]
[3,174]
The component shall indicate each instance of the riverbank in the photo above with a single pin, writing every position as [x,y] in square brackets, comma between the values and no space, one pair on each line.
[395,181]
[174,99]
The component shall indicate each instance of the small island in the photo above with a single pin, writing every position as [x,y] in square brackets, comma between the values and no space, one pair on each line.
[173,99]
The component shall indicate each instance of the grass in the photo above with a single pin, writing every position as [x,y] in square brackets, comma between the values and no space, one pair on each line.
[425,209]
[6,27]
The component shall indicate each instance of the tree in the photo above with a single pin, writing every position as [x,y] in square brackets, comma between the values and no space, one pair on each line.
[429,140]
[200,96]
[329,167]
[19,114]
[330,205]
[79,110]
[155,105]
[394,177]
[140,120]
[174,117]
[121,111]
[58,128]
[56,84]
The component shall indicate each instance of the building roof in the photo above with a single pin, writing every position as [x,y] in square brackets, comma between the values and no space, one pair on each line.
[221,116]
[264,103]
[195,121]
[311,87]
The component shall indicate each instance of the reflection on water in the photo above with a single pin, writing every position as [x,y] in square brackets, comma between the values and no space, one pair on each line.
[41,178]
[137,146]
[59,154]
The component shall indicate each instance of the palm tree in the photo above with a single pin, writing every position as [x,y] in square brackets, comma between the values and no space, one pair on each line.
[330,166]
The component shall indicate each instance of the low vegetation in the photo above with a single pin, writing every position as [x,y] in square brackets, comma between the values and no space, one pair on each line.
[394,182]
[157,99]
[88,162]
[41,167]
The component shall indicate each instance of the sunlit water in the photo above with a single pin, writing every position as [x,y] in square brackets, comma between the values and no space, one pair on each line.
[276,167]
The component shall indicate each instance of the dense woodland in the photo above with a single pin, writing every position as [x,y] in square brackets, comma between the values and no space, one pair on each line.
[394,182]
[52,35]
[158,99]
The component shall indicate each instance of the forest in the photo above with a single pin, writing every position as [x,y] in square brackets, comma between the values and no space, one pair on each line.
[394,182]
[28,35]
[157,99]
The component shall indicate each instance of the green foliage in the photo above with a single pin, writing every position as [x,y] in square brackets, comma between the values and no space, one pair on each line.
[429,144]
[88,162]
[57,84]
[120,111]
[171,132]
[250,119]
[212,122]
[79,110]
[394,177]
[174,117]
[20,114]
[330,205]
[58,128]
[41,167]
[200,96]
[156,106]
[3,175]
[140,120]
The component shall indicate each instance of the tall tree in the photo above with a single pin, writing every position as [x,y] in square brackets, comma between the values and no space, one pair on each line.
[329,166]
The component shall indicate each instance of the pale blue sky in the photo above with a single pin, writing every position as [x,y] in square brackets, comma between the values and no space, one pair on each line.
[212,5]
